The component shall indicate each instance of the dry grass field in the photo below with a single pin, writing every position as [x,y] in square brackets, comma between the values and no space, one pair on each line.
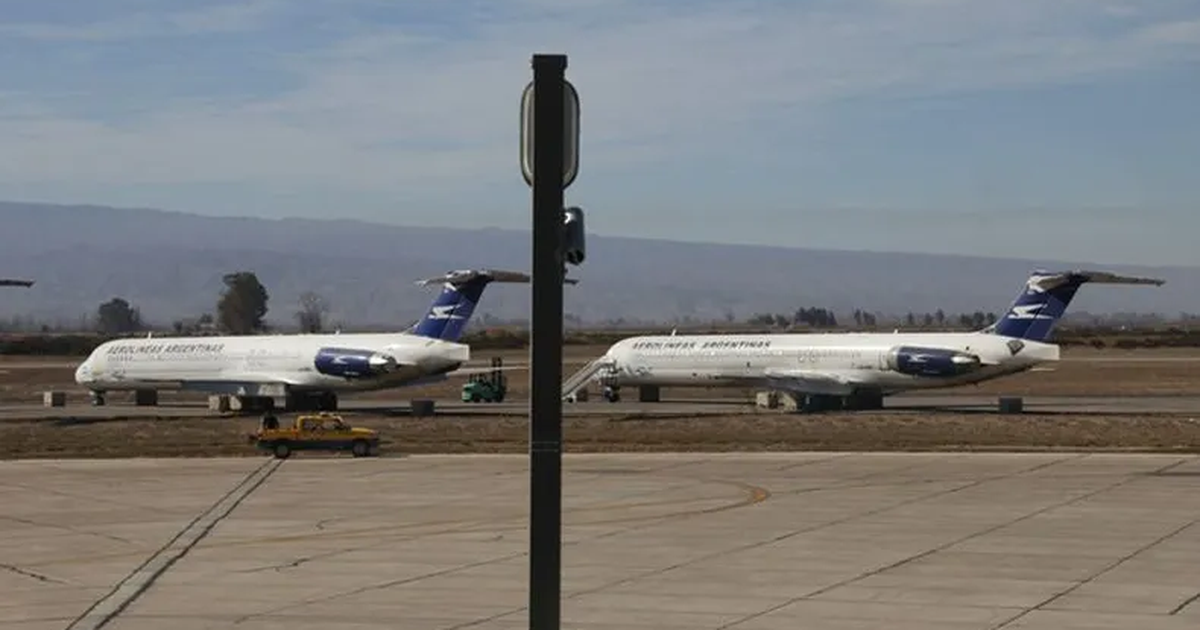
[1085,372]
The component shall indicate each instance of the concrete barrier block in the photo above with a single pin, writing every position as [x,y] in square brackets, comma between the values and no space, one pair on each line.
[251,404]
[1011,404]
[649,394]
[777,400]
[766,400]
[219,403]
[422,407]
[54,399]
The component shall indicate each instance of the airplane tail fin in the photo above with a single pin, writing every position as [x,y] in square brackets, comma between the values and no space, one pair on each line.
[461,289]
[1044,300]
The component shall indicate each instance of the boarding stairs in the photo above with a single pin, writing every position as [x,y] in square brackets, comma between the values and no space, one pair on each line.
[580,379]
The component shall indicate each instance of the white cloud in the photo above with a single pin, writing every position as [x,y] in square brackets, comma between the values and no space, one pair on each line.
[392,107]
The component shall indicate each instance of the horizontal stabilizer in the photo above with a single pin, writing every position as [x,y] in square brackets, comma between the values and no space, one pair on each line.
[463,276]
[1046,281]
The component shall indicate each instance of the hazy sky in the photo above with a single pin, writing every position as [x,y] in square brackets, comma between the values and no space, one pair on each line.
[1043,128]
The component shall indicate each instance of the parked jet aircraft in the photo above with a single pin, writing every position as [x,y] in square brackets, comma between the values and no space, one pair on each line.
[851,370]
[308,370]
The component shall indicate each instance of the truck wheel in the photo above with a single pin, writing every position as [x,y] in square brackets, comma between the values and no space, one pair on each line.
[281,450]
[360,448]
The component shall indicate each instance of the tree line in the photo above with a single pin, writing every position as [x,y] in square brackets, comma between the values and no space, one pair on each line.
[241,309]
[824,318]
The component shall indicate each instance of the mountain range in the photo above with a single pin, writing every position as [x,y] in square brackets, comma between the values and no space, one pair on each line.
[169,265]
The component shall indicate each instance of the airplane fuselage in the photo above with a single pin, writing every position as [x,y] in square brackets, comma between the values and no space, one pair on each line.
[888,362]
[302,362]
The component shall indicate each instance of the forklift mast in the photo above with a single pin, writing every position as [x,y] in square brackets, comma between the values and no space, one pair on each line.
[497,372]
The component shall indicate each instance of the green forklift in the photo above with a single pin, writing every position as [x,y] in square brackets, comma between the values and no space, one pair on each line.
[486,387]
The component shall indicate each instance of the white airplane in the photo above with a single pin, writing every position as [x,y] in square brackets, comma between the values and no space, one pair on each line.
[850,370]
[308,370]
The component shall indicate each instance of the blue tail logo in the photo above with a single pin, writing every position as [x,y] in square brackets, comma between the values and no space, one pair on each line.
[450,312]
[1039,306]
[1045,298]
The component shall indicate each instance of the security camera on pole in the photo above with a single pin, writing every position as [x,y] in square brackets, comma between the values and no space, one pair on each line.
[549,163]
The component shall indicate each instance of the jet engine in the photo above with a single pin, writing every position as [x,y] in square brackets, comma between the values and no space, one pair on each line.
[931,361]
[352,363]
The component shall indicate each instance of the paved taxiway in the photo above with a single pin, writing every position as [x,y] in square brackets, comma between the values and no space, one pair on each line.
[667,408]
[763,541]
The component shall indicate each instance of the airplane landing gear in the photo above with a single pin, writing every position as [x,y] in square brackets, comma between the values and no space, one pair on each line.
[97,399]
[822,402]
[254,404]
[859,400]
[312,401]
[611,394]
[864,399]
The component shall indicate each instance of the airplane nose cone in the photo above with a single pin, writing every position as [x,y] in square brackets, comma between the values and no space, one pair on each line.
[83,373]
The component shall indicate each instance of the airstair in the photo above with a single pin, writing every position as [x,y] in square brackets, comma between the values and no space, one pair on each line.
[580,379]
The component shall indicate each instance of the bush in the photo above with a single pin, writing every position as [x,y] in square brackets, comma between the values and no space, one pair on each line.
[50,345]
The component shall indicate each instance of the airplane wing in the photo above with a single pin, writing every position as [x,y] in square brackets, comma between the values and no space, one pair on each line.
[244,384]
[830,382]
[484,370]
[239,378]
[1099,277]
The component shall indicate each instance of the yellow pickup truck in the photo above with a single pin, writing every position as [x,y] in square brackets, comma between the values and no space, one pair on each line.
[322,431]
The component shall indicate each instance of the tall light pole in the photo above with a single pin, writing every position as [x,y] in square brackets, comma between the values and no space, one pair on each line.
[549,163]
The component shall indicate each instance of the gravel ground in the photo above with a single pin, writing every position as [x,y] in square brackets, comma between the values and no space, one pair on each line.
[193,437]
